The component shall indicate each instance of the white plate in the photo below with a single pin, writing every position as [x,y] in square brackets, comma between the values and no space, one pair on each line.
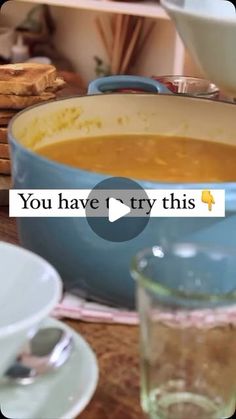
[62,394]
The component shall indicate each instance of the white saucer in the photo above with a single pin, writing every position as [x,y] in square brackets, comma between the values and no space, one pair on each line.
[62,394]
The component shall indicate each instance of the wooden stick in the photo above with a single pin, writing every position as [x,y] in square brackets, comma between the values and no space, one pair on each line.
[134,54]
[103,37]
[131,46]
[146,37]
[123,37]
[112,24]
[116,46]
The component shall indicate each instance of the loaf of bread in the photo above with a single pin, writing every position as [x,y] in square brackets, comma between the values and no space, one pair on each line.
[21,86]
[5,166]
[4,151]
[6,116]
[3,135]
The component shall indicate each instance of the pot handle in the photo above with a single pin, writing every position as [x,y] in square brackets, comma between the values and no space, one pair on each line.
[111,83]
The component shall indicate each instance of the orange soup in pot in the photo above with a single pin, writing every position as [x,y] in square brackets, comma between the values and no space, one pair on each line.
[148,157]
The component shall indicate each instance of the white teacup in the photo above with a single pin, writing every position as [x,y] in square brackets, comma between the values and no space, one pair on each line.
[29,290]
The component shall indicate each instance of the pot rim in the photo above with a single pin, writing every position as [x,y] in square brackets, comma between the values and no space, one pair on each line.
[95,176]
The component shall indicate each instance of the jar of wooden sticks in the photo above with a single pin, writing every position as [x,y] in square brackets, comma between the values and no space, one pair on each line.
[124,38]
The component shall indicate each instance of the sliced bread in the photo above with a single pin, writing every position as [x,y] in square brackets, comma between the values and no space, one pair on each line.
[21,102]
[26,79]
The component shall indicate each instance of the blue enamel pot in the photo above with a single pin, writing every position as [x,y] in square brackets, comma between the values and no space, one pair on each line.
[89,265]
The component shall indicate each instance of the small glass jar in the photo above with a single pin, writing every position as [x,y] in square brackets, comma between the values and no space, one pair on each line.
[186,297]
[192,86]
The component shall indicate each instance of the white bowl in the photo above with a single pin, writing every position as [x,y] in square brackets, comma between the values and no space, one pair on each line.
[208,29]
[29,290]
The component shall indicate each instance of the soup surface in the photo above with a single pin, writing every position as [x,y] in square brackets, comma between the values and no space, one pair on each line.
[148,157]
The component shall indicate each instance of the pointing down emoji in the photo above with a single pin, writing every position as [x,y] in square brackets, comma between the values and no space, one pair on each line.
[207,198]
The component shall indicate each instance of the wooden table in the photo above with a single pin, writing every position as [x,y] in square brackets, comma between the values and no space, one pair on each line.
[117,395]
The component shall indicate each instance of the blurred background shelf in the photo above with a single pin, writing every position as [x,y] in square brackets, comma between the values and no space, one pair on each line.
[145,9]
[76,37]
[78,44]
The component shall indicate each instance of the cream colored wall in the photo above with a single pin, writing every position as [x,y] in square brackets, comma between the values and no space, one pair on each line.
[12,13]
[77,39]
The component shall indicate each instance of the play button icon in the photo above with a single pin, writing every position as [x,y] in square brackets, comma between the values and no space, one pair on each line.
[117,220]
[117,210]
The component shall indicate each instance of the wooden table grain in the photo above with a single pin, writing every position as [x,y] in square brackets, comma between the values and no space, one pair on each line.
[116,347]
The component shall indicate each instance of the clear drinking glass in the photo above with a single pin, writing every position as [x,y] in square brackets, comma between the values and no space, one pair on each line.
[186,298]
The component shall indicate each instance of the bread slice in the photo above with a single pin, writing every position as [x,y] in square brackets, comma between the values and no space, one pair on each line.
[26,79]
[5,167]
[3,135]
[5,184]
[6,116]
[21,102]
[4,151]
[58,84]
